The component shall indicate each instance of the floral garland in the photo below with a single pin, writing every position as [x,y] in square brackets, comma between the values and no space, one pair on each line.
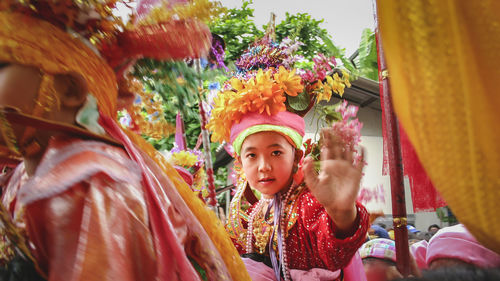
[261,91]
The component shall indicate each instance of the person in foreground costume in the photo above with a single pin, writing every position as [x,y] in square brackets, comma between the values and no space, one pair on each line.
[89,201]
[305,223]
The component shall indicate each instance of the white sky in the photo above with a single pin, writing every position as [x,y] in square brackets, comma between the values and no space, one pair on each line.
[344,19]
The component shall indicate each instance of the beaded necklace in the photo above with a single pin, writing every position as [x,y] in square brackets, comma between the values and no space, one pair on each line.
[282,226]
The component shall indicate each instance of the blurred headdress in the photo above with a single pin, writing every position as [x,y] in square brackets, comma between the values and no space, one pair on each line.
[84,38]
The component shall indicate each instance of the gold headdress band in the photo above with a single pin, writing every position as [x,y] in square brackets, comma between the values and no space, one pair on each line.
[30,41]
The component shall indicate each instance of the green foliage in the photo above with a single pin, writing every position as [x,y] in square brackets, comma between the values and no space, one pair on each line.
[303,28]
[338,53]
[329,113]
[177,84]
[221,176]
[299,102]
[446,215]
[367,57]
[175,81]
[238,30]
[191,127]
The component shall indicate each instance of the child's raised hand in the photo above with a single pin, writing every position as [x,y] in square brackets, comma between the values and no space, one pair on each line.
[336,185]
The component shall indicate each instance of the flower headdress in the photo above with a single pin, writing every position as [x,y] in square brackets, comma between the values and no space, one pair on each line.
[267,85]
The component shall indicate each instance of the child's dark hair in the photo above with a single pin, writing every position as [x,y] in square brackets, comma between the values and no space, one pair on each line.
[457,274]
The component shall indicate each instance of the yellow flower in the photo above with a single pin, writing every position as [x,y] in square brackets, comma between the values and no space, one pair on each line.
[181,81]
[244,103]
[184,158]
[289,82]
[263,83]
[260,93]
[221,116]
[264,95]
[324,91]
[236,84]
[345,75]
[271,104]
[338,84]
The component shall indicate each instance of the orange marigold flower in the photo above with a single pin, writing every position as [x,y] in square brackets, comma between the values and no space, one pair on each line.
[288,81]
[271,104]
[262,83]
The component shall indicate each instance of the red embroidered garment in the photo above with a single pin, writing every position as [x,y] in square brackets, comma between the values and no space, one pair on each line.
[311,240]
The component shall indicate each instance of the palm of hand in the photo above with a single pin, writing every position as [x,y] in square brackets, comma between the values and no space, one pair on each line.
[336,185]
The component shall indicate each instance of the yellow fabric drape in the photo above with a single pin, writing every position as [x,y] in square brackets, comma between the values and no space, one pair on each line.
[207,218]
[443,58]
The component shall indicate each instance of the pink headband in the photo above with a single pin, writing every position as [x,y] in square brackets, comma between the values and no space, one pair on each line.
[287,123]
[456,242]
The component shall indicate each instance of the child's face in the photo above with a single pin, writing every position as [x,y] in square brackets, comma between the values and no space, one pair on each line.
[267,159]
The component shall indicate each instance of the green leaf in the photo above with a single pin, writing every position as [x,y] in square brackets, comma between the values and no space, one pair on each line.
[332,49]
[299,102]
[367,58]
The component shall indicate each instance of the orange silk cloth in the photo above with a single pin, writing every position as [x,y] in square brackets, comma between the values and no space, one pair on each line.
[443,58]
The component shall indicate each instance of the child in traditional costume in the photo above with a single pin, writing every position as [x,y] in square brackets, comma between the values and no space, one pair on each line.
[305,223]
[90,201]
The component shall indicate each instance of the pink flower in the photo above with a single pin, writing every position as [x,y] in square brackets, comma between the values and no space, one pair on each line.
[349,129]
